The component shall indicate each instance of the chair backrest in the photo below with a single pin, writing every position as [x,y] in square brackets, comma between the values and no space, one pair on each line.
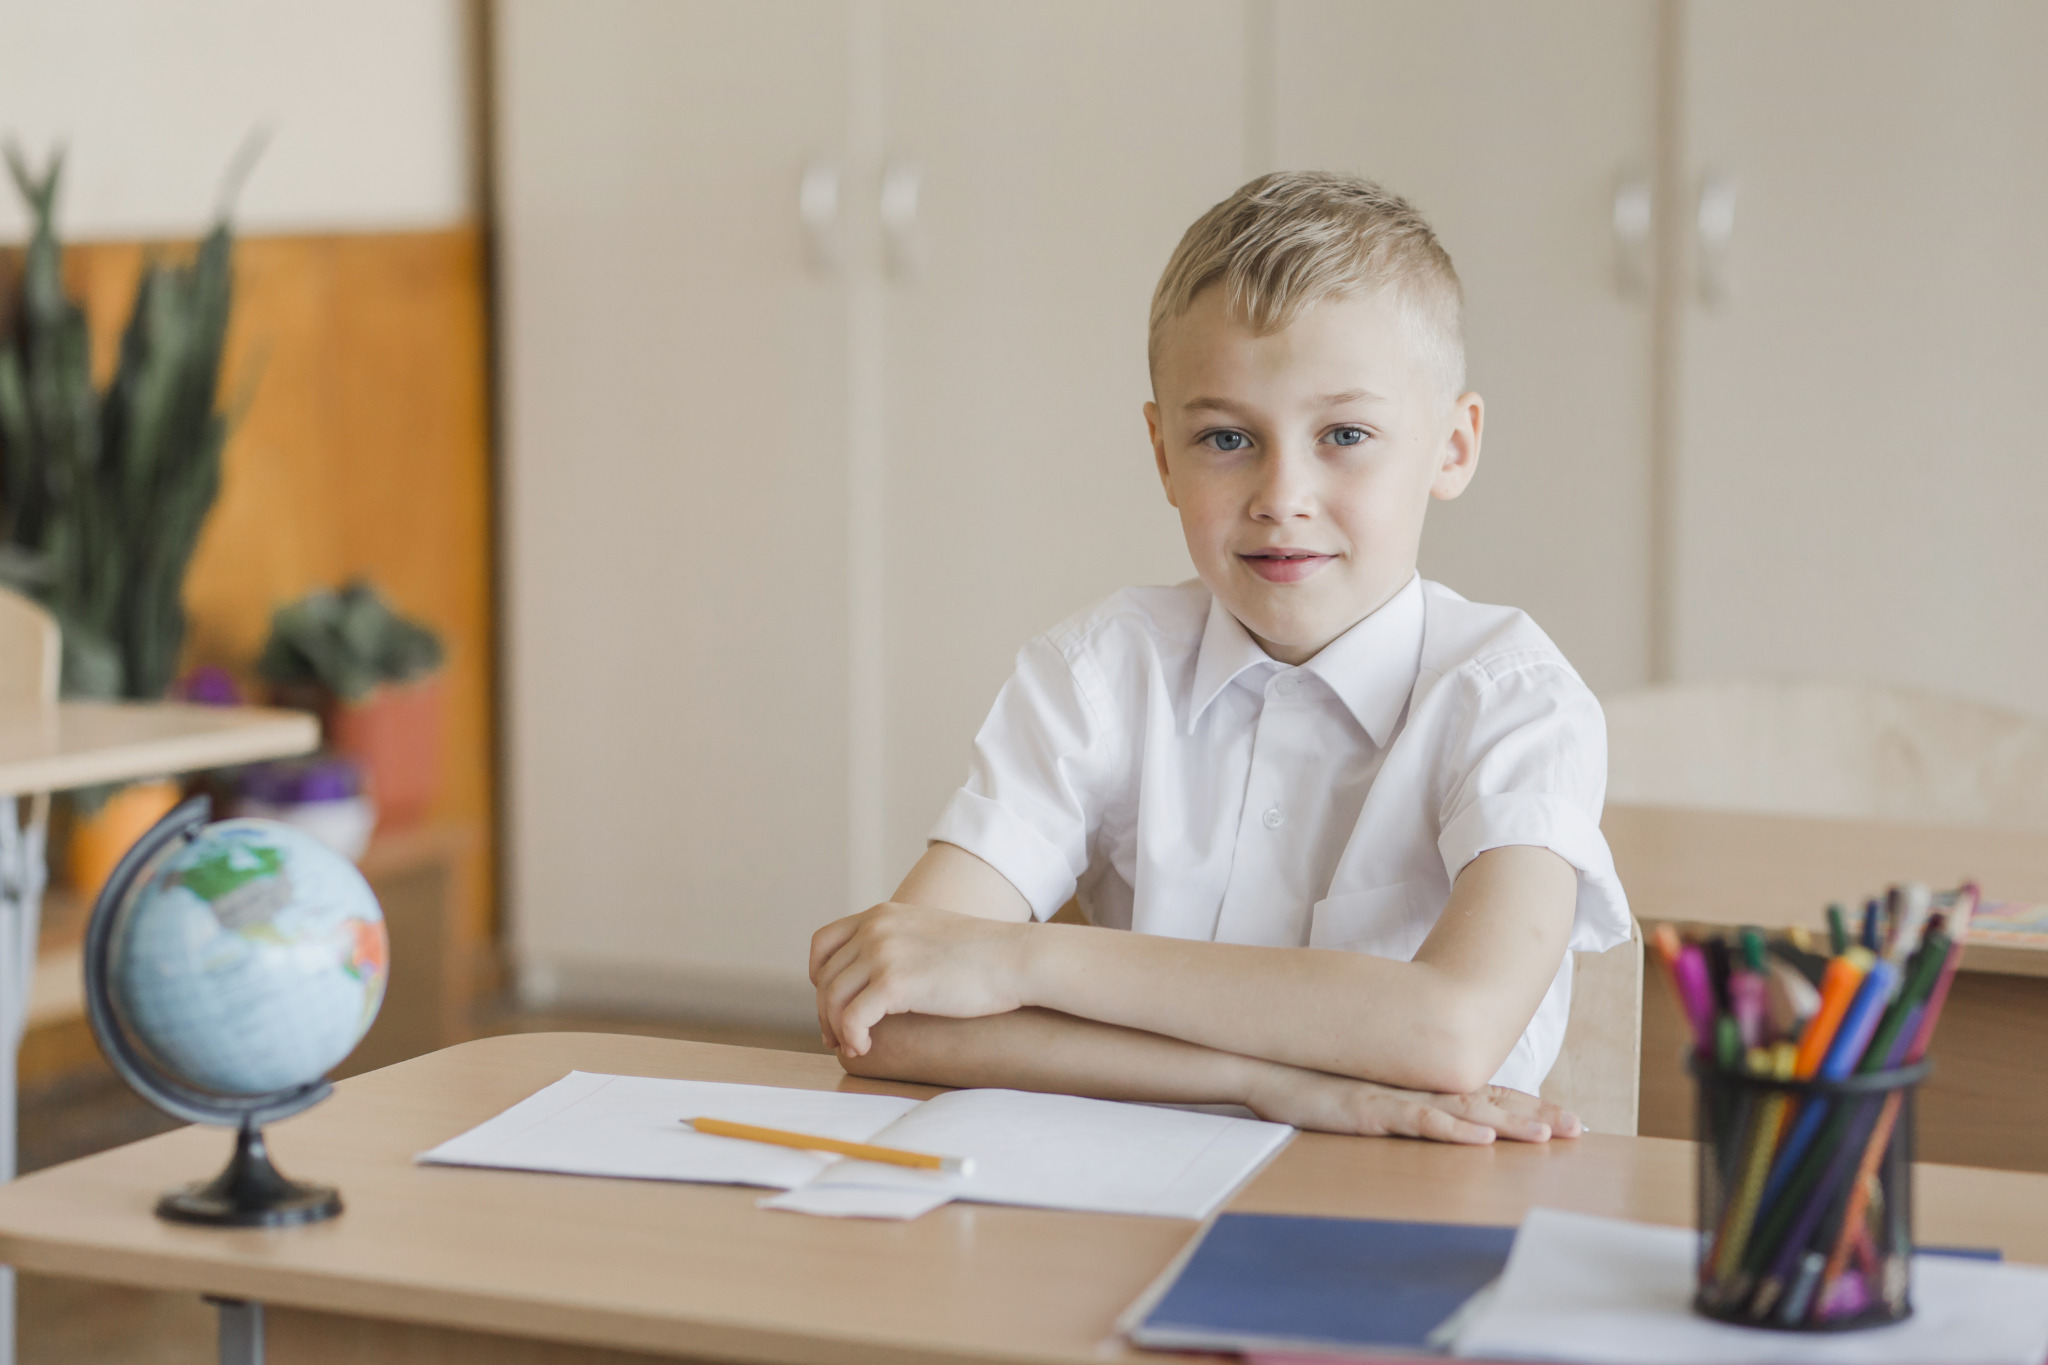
[1842,750]
[29,650]
[1599,1073]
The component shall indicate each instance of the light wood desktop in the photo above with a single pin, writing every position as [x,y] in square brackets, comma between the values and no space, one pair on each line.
[457,1265]
[1987,1101]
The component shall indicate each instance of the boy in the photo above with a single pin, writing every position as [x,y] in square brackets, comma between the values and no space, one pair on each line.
[1352,818]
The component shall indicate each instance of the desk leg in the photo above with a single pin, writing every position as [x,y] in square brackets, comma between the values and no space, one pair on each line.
[21,901]
[241,1331]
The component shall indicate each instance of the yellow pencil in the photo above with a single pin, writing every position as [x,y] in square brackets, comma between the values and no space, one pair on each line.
[894,1156]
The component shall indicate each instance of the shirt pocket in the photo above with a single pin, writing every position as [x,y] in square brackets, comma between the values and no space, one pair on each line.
[1386,921]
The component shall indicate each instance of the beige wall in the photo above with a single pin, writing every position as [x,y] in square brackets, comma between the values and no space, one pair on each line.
[366,100]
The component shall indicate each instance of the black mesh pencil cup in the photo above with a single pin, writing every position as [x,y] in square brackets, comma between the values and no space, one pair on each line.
[1805,1198]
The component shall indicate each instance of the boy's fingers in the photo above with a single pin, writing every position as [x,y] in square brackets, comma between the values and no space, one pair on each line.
[1563,1122]
[829,940]
[839,964]
[1440,1125]
[1482,1108]
[837,994]
[866,1010]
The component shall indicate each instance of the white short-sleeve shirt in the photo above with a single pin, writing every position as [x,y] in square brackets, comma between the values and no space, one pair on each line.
[1151,756]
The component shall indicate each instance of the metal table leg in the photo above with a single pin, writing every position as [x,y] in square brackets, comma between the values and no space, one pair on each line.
[241,1331]
[22,874]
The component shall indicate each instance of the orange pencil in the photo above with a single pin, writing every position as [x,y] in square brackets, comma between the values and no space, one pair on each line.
[894,1156]
[1837,991]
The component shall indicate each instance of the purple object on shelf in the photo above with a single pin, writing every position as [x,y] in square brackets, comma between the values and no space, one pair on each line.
[210,685]
[301,781]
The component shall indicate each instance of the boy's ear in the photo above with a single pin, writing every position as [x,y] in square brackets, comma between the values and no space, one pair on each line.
[1159,450]
[1461,447]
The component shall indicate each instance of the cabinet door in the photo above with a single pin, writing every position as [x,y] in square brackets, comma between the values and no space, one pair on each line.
[1860,478]
[1511,127]
[1061,149]
[674,525]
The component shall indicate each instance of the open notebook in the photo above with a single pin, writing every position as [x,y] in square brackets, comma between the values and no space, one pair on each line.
[1046,1151]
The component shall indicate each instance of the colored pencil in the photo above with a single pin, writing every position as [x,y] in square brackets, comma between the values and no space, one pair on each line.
[893,1156]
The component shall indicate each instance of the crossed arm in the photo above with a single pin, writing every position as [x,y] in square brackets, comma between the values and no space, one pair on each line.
[952,983]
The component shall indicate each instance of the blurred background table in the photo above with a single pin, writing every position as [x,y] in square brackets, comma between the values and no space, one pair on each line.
[1987,1101]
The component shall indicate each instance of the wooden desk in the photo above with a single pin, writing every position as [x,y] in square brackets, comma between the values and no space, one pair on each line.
[454,1265]
[47,745]
[1987,1102]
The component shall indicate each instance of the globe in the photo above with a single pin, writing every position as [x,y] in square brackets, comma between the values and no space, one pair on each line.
[229,967]
[252,961]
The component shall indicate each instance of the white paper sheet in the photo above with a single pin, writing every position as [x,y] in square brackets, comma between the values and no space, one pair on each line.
[1048,1151]
[632,1126]
[1059,1152]
[1602,1291]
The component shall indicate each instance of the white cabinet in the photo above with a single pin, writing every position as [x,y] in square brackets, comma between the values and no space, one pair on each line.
[675,484]
[1859,469]
[1063,148]
[1514,128]
[782,502]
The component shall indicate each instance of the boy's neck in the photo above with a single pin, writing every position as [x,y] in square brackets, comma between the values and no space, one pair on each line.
[1296,655]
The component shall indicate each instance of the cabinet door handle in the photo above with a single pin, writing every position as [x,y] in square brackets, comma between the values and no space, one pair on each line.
[1634,214]
[817,207]
[900,185]
[1714,233]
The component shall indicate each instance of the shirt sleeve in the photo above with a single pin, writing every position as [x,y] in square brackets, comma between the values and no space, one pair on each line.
[1531,768]
[1035,789]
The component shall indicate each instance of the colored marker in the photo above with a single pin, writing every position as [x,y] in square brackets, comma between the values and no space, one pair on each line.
[1837,993]
[1838,930]
[1792,999]
[1746,1002]
[1914,904]
[1696,994]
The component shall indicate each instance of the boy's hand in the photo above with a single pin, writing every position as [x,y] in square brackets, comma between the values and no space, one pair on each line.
[905,959]
[1338,1104]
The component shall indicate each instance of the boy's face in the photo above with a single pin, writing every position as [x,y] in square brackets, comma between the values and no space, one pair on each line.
[1302,462]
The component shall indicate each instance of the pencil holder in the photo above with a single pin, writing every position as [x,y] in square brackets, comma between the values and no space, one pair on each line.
[1805,1198]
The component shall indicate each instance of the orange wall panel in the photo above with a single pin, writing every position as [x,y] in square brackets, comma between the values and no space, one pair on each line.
[364,451]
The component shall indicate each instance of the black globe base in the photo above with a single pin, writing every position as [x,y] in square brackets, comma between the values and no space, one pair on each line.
[250,1193]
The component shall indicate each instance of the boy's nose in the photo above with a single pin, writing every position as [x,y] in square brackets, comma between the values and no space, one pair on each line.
[1285,490]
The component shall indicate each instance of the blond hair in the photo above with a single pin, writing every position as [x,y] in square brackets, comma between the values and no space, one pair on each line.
[1294,238]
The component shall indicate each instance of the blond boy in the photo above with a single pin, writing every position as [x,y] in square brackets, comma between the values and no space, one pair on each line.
[1351,818]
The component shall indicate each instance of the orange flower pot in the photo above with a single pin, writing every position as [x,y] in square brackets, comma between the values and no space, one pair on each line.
[99,840]
[395,733]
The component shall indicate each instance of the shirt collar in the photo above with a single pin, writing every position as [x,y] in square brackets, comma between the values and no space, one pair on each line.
[1371,667]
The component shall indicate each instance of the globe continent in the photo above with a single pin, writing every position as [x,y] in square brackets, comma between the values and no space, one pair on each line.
[253,960]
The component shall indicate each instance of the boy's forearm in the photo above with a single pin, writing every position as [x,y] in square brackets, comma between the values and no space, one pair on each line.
[1442,1022]
[1041,1050]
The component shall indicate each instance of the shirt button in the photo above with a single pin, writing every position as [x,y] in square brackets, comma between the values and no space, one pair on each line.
[1286,685]
[1273,817]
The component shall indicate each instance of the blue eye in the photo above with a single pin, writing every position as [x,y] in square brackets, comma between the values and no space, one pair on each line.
[1348,436]
[1227,440]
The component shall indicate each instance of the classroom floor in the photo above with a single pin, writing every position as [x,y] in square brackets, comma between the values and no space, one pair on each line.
[88,1109]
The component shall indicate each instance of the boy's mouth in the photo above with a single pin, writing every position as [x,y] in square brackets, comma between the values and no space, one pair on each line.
[1285,566]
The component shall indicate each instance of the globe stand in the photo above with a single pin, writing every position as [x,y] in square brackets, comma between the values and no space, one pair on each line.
[250,1193]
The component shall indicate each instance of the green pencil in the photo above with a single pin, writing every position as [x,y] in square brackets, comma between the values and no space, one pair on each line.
[1838,930]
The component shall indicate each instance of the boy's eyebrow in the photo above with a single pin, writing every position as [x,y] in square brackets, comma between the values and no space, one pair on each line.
[1328,400]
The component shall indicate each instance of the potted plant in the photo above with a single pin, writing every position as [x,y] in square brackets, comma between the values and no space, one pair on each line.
[103,492]
[374,679]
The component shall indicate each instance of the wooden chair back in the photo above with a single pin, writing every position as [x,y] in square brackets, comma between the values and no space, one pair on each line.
[1841,750]
[29,651]
[1599,1072]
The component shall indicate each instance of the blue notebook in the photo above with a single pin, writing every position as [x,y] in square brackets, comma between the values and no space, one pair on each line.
[1269,1282]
